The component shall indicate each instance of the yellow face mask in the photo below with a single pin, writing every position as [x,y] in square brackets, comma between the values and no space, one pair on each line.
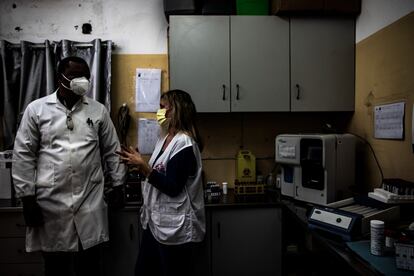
[161,115]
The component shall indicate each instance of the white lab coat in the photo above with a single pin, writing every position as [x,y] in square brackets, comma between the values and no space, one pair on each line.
[65,170]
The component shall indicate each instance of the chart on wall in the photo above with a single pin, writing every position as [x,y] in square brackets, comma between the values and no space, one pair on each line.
[148,89]
[389,121]
[148,133]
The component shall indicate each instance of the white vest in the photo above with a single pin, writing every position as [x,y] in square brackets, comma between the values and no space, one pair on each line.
[180,219]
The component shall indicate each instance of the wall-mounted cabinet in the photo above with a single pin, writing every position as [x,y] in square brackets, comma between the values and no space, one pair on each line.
[231,63]
[264,63]
[322,64]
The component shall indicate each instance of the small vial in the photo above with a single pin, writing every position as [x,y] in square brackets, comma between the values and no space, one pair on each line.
[224,185]
[377,237]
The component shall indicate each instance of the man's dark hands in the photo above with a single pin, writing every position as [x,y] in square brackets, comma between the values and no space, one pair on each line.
[115,197]
[32,212]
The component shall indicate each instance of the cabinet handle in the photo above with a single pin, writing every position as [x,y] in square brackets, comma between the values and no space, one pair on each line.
[238,91]
[218,230]
[297,192]
[298,92]
[224,92]
[131,232]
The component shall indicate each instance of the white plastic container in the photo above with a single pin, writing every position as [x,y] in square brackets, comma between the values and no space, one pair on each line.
[224,186]
[377,237]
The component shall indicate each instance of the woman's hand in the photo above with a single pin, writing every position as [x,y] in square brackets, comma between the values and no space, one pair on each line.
[132,156]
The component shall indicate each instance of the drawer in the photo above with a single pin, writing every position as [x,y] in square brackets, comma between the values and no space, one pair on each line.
[13,250]
[22,269]
[12,225]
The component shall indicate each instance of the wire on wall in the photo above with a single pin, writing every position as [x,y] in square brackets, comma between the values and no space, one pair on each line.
[373,153]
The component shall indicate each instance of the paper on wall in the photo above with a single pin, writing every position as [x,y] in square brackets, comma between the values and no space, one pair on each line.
[148,133]
[389,121]
[147,89]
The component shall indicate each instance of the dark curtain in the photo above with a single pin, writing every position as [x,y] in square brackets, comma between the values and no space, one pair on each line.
[36,75]
[10,87]
[28,72]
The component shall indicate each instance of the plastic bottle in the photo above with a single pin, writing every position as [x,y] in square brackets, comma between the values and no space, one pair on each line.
[224,185]
[377,237]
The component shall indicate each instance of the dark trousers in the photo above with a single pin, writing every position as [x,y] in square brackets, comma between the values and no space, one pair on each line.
[82,263]
[164,260]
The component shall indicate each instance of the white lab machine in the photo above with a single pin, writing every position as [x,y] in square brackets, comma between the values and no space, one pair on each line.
[316,168]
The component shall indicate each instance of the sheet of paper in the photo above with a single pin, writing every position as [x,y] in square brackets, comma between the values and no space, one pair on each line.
[389,121]
[148,133]
[147,90]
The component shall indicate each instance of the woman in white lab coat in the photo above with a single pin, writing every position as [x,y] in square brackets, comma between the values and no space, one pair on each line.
[172,213]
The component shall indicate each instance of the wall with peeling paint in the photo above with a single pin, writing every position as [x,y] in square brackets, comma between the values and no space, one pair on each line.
[136,26]
[139,29]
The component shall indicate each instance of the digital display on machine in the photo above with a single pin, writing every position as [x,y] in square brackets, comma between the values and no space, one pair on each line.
[287,151]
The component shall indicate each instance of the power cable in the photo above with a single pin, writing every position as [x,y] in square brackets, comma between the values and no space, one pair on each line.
[373,153]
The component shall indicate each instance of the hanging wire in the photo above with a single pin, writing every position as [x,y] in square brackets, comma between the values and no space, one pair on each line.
[123,122]
[375,157]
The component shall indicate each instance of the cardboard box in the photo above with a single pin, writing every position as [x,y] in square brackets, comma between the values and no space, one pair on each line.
[286,7]
[218,7]
[315,7]
[345,7]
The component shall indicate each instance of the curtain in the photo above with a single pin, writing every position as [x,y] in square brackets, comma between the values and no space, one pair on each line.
[28,72]
[9,82]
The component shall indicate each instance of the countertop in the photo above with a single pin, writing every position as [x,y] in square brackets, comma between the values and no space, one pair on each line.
[231,200]
[298,210]
[336,247]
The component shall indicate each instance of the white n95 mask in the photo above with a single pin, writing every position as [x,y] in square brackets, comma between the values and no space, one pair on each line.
[79,86]
[161,116]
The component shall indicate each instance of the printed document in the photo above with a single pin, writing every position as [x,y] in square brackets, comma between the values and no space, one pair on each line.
[389,121]
[147,90]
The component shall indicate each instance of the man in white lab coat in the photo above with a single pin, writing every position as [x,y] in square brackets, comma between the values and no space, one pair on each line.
[64,144]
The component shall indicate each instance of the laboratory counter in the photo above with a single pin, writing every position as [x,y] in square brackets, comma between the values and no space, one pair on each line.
[269,199]
[283,228]
[338,257]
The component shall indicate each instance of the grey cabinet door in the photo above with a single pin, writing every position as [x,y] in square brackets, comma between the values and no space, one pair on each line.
[200,262]
[246,241]
[322,64]
[122,250]
[259,63]
[199,60]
